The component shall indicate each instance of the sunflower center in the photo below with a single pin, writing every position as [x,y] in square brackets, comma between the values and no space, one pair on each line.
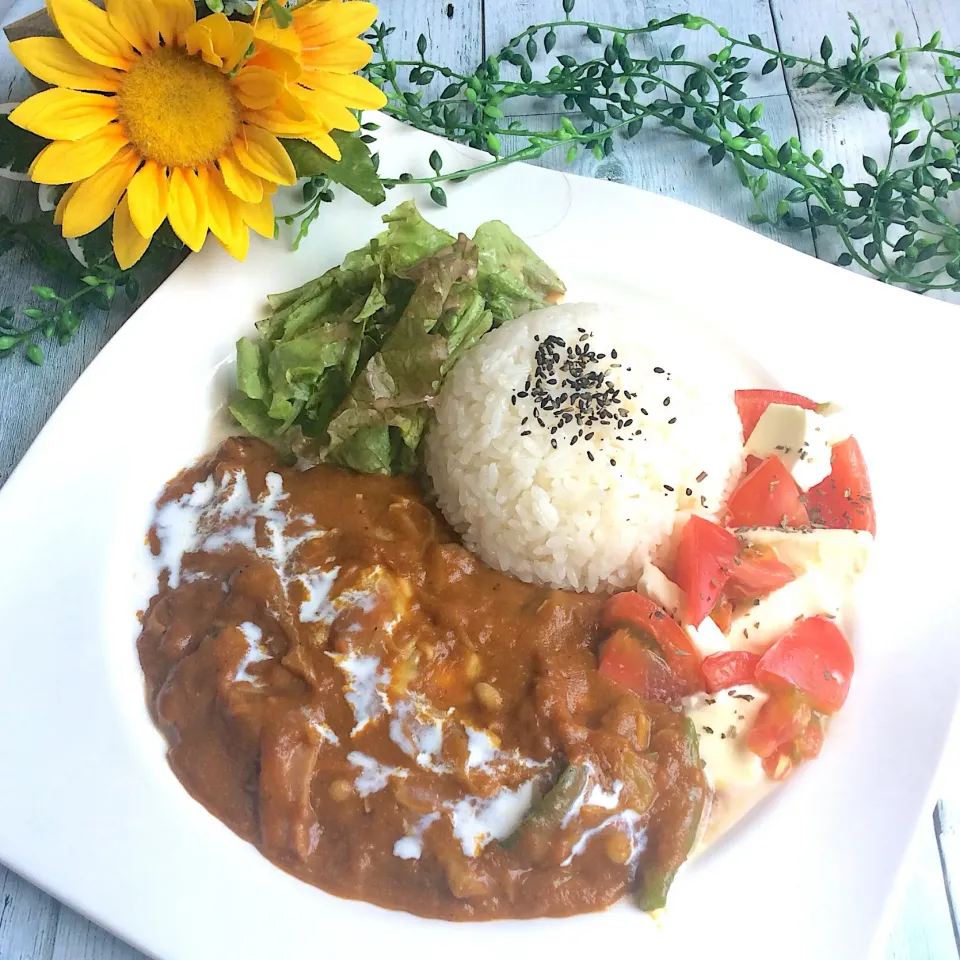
[178,110]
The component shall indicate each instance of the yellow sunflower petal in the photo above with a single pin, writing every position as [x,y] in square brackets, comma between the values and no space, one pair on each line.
[240,182]
[221,33]
[176,17]
[97,197]
[324,142]
[129,244]
[226,221]
[65,161]
[263,154]
[259,217]
[242,37]
[344,56]
[87,29]
[356,92]
[276,61]
[62,204]
[199,39]
[136,21]
[267,31]
[291,106]
[278,121]
[256,87]
[333,114]
[61,114]
[53,60]
[148,195]
[188,208]
[328,22]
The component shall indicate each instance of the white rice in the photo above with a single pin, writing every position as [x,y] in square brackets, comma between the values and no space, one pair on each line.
[553,515]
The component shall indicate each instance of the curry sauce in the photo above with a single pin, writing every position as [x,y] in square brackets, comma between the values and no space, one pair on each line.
[347,688]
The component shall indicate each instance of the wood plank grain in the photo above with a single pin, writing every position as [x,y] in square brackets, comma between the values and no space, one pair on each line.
[659,159]
[847,133]
[28,920]
[79,939]
[453,28]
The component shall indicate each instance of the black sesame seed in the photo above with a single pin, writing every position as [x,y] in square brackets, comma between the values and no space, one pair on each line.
[613,462]
[658,370]
[666,401]
[689,492]
[644,411]
[553,443]
[525,433]
[667,486]
[590,455]
[672,420]
[613,354]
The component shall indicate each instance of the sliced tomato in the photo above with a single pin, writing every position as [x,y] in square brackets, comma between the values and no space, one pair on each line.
[729,668]
[780,721]
[767,497]
[752,403]
[844,499]
[810,744]
[722,613]
[787,731]
[627,660]
[704,556]
[756,572]
[642,615]
[812,657]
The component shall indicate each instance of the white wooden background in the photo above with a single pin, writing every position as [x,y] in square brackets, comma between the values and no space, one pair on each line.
[35,927]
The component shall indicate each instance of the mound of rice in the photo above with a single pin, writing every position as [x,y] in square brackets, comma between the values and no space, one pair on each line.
[569,461]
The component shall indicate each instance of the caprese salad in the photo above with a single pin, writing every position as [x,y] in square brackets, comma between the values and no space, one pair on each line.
[739,620]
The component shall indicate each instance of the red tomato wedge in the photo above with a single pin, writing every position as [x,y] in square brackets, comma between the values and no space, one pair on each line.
[786,731]
[627,660]
[643,616]
[752,403]
[814,658]
[757,572]
[767,497]
[782,719]
[722,613]
[729,668]
[704,556]
[844,499]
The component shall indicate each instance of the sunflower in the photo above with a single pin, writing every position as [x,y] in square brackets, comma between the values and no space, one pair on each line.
[155,115]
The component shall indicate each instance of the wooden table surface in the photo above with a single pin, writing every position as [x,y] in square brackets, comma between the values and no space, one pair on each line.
[33,926]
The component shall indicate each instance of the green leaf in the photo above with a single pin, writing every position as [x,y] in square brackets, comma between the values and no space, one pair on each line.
[826,49]
[770,66]
[355,169]
[18,148]
[870,165]
[549,41]
[755,40]
[785,154]
[282,16]
[438,195]
[35,355]
[511,277]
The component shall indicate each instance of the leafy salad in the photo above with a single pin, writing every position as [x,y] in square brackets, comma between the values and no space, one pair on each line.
[346,366]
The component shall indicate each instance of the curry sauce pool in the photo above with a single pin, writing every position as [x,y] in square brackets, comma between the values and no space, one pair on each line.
[345,686]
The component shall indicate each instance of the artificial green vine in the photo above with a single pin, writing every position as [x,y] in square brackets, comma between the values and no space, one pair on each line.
[893,222]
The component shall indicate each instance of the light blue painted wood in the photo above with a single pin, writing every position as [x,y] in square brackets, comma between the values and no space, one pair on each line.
[35,927]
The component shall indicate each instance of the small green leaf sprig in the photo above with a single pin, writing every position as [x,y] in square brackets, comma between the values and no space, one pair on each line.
[893,219]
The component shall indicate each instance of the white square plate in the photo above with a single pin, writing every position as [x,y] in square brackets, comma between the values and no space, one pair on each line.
[90,810]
